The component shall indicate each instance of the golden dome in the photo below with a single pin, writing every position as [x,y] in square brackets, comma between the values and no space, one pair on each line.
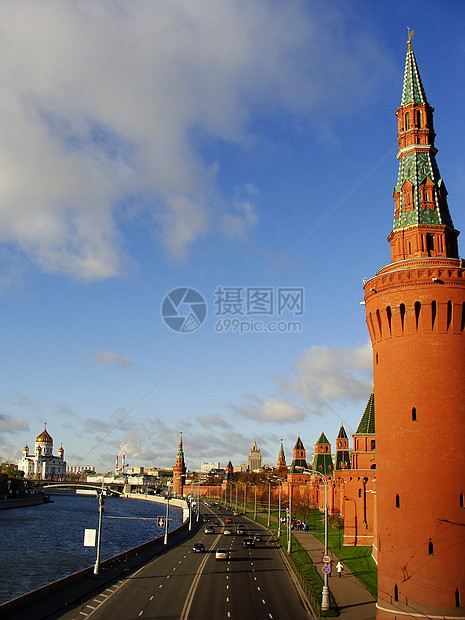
[26,448]
[44,437]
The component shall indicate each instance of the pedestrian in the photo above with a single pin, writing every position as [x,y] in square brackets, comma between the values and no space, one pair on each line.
[339,568]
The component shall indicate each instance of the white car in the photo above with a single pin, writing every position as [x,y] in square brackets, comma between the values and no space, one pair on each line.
[227,532]
[222,554]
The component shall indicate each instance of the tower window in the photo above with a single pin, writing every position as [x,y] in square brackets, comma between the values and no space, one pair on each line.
[389,315]
[360,492]
[397,501]
[373,444]
[417,312]
[457,598]
[433,313]
[407,121]
[396,593]
[402,315]
[430,547]
[449,313]
[418,118]
[461,500]
[414,414]
[429,243]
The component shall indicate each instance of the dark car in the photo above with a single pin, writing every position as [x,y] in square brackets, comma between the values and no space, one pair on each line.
[240,531]
[258,538]
[248,542]
[198,547]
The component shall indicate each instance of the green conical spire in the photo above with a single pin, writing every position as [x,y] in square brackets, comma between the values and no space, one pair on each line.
[367,423]
[420,193]
[413,91]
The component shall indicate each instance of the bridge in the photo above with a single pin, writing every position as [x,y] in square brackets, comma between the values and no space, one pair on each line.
[79,485]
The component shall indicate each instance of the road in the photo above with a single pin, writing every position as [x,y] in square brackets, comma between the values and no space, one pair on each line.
[183,585]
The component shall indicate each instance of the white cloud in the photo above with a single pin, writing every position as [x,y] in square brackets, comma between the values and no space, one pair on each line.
[335,373]
[12,425]
[110,358]
[270,409]
[105,106]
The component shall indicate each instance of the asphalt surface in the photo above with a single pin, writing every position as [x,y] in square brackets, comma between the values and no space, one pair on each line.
[181,584]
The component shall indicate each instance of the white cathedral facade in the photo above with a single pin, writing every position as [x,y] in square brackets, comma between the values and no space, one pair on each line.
[42,463]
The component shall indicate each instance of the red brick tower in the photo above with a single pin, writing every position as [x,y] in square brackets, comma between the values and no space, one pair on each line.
[415,311]
[281,467]
[179,469]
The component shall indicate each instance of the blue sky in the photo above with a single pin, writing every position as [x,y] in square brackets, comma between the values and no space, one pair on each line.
[202,144]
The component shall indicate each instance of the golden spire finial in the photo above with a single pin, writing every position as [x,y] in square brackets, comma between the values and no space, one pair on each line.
[410,35]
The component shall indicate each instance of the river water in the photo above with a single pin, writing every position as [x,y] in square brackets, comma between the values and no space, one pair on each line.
[39,544]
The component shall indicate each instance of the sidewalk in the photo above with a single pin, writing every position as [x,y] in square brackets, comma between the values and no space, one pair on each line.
[355,602]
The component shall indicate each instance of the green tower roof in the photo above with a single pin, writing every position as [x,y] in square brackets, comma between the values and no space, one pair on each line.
[367,423]
[413,91]
[322,440]
[417,162]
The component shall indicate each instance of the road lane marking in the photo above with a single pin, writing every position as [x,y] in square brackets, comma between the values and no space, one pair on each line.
[263,601]
[141,612]
[151,598]
[195,582]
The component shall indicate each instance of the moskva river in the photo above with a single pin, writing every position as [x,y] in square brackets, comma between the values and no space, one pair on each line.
[40,544]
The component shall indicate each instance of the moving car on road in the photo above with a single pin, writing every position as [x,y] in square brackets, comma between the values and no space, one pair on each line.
[227,532]
[209,529]
[198,547]
[222,554]
[248,542]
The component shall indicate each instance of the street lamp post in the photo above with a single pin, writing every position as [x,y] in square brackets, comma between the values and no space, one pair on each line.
[165,540]
[280,482]
[269,503]
[255,506]
[325,594]
[245,498]
[99,535]
[198,501]
[101,501]
[289,519]
[235,510]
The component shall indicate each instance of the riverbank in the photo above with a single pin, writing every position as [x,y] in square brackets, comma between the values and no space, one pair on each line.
[26,500]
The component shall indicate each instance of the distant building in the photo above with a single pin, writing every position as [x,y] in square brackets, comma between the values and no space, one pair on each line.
[42,463]
[207,466]
[254,462]
[80,469]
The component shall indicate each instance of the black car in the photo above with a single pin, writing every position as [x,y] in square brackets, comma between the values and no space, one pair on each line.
[198,547]
[248,542]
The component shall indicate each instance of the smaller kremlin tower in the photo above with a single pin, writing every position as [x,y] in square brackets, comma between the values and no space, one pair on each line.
[281,467]
[179,469]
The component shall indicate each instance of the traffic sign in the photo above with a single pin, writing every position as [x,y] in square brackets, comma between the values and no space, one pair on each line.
[326,559]
[327,569]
